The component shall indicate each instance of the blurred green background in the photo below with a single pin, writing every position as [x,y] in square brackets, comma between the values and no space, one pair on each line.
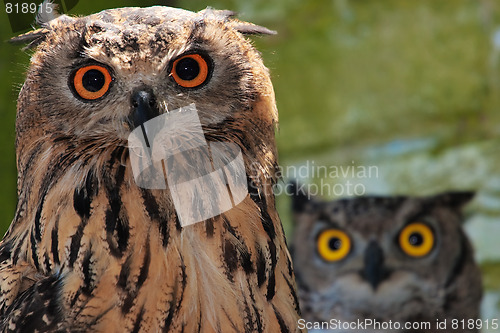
[410,87]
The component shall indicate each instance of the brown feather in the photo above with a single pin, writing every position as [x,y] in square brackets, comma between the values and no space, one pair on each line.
[98,253]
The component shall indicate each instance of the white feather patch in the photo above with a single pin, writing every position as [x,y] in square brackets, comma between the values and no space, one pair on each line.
[46,12]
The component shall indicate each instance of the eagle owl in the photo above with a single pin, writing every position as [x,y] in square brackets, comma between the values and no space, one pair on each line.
[89,249]
[399,258]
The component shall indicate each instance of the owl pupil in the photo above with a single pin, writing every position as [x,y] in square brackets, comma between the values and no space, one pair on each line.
[416,239]
[93,80]
[334,243]
[187,69]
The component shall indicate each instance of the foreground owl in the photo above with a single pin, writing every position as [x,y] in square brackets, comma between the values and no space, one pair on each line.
[404,259]
[90,250]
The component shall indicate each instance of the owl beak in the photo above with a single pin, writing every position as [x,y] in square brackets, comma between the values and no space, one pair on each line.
[374,270]
[144,107]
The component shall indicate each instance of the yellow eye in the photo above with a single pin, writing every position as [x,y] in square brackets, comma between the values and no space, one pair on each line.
[333,245]
[416,239]
[190,71]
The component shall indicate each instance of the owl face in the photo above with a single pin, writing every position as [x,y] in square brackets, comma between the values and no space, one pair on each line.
[385,257]
[103,75]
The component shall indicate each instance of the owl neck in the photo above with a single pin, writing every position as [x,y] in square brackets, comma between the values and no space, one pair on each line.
[95,228]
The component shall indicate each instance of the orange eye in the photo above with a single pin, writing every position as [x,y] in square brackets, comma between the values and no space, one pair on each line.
[92,81]
[416,239]
[190,71]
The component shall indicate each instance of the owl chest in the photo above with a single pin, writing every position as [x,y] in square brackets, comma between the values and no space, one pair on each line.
[131,264]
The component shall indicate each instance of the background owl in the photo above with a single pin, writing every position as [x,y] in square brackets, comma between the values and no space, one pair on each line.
[89,250]
[396,258]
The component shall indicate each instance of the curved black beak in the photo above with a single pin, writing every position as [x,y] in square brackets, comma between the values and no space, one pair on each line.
[144,107]
[374,270]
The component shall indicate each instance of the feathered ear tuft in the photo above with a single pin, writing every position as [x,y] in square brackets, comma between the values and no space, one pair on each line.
[300,199]
[32,38]
[224,13]
[252,29]
[456,199]
[46,13]
[246,28]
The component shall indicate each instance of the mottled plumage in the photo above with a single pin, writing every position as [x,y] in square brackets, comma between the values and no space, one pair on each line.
[89,250]
[381,275]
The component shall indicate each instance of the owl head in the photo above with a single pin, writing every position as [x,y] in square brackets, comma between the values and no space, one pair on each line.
[93,79]
[393,257]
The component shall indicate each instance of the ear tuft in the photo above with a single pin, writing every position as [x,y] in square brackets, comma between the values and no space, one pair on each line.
[48,12]
[245,28]
[226,14]
[456,199]
[300,198]
[32,38]
[252,29]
